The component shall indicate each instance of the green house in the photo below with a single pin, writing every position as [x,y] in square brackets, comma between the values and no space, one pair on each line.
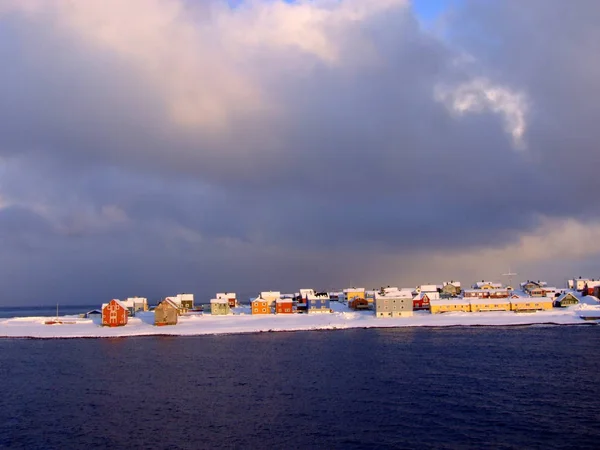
[567,299]
[219,307]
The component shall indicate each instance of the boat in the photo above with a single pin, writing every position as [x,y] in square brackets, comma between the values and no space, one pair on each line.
[54,321]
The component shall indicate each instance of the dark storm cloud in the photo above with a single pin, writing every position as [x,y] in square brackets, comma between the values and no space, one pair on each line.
[354,154]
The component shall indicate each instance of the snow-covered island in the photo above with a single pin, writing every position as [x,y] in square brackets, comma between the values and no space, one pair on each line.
[485,304]
[242,321]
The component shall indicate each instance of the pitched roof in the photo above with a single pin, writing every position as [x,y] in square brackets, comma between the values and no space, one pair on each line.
[168,302]
[564,295]
[118,302]
[450,301]
[216,301]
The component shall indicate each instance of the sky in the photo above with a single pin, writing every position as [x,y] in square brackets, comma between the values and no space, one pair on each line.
[151,147]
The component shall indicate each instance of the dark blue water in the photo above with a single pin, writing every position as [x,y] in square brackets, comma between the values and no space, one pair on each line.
[45,311]
[456,388]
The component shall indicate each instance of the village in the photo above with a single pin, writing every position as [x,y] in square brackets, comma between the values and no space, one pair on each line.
[386,302]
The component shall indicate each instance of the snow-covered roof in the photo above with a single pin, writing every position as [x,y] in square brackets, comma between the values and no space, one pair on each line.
[270,295]
[589,300]
[128,303]
[480,284]
[169,302]
[118,302]
[226,295]
[394,294]
[284,300]
[453,283]
[176,300]
[489,301]
[259,300]
[354,290]
[565,294]
[450,301]
[217,301]
[428,288]
[137,300]
[520,299]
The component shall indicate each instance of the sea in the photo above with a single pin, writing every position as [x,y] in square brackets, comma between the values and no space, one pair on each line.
[435,388]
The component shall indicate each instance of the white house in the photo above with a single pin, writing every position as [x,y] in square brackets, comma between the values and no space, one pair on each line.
[270,296]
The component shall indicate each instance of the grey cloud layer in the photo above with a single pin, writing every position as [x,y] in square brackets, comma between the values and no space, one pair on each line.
[356,153]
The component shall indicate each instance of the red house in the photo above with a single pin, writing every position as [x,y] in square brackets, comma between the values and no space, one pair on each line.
[284,306]
[114,314]
[421,302]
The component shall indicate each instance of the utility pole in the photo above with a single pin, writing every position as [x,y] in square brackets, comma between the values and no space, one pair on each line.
[510,276]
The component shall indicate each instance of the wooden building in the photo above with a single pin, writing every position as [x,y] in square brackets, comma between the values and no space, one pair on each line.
[498,293]
[527,304]
[450,289]
[350,293]
[166,313]
[566,299]
[358,303]
[231,298]
[489,304]
[261,306]
[393,304]
[317,302]
[421,302]
[284,306]
[219,307]
[487,285]
[590,287]
[476,293]
[270,296]
[114,314]
[449,305]
[187,301]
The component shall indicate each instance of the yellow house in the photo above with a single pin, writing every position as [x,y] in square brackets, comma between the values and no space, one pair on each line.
[489,304]
[487,285]
[351,293]
[450,305]
[530,303]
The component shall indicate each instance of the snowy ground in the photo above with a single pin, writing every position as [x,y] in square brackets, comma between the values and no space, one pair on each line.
[244,322]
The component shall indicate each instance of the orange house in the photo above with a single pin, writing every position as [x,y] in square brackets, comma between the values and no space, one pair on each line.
[284,306]
[260,306]
[114,314]
[358,303]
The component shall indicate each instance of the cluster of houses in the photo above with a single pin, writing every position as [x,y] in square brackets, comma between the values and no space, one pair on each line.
[385,302]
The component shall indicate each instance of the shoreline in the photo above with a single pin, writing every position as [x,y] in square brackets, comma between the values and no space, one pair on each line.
[242,323]
[236,333]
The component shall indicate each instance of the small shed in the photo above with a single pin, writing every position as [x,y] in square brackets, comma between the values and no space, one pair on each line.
[94,313]
[114,314]
[166,313]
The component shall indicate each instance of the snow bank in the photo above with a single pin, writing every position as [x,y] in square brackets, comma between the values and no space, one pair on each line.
[243,322]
